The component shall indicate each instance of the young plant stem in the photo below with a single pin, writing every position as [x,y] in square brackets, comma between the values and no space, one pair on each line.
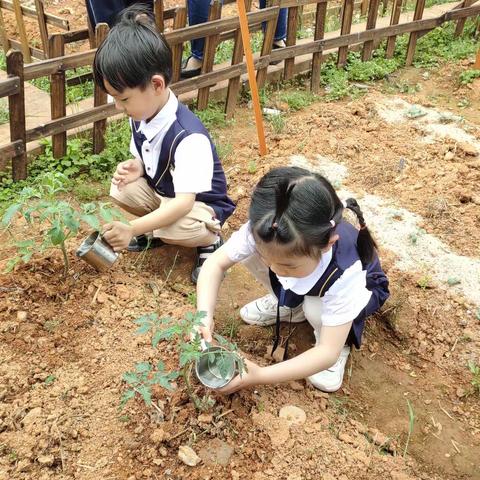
[65,259]
[186,373]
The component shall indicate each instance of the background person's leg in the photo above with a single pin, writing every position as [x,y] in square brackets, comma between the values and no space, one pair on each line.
[281,30]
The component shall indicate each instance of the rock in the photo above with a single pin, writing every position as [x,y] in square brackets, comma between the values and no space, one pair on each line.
[449,156]
[344,437]
[157,436]
[21,315]
[277,354]
[293,415]
[23,465]
[123,292]
[217,452]
[205,418]
[46,460]
[297,386]
[461,392]
[468,149]
[32,416]
[235,475]
[378,438]
[188,456]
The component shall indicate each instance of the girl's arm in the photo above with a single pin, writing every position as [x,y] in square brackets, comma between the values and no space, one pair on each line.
[208,285]
[317,359]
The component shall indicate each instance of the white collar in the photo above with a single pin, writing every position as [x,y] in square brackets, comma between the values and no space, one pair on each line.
[161,120]
[302,286]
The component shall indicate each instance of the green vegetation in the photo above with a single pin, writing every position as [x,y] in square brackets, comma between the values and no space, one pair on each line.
[411,424]
[185,337]
[59,219]
[475,371]
[4,115]
[467,76]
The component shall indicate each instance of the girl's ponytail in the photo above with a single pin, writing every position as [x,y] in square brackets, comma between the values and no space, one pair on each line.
[365,243]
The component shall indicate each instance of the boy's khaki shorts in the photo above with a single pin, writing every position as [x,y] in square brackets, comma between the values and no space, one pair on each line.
[198,228]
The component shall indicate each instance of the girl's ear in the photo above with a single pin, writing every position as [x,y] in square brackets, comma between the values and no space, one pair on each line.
[158,84]
[332,240]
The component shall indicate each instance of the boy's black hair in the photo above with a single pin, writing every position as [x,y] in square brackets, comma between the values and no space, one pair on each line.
[133,52]
[291,205]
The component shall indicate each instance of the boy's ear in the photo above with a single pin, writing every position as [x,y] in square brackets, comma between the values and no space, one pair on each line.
[158,83]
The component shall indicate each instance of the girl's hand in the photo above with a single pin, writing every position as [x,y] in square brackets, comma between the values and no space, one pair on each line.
[127,172]
[249,378]
[118,235]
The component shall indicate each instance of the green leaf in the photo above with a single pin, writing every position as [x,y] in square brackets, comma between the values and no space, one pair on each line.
[50,379]
[163,382]
[128,395]
[146,394]
[142,329]
[143,367]
[10,213]
[56,234]
[92,221]
[157,336]
[130,378]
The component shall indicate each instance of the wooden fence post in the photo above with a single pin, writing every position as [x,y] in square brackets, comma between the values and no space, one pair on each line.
[158,12]
[57,95]
[16,108]
[42,25]
[371,23]
[21,31]
[412,41]
[268,37]
[364,8]
[3,34]
[320,18]
[99,97]
[394,19]
[234,83]
[179,21]
[347,17]
[209,49]
[289,67]
[461,22]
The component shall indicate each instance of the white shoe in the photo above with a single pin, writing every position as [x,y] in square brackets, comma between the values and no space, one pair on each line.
[263,312]
[330,380]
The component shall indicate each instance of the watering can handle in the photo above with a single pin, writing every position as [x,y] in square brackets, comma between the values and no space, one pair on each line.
[203,344]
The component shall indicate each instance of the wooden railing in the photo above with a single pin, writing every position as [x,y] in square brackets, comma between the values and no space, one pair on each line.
[215,31]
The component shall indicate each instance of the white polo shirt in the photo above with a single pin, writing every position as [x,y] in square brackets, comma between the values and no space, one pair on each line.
[342,302]
[188,176]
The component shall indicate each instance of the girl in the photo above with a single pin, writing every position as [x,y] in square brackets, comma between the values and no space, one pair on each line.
[317,267]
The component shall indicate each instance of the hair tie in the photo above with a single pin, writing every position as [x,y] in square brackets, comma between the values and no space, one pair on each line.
[274,225]
[332,223]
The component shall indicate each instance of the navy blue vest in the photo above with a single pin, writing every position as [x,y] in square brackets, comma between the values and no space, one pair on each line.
[186,124]
[344,255]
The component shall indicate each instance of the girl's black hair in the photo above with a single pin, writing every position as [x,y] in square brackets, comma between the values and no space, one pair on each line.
[133,52]
[291,205]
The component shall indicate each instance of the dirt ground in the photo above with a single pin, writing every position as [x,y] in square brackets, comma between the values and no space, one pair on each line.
[62,361]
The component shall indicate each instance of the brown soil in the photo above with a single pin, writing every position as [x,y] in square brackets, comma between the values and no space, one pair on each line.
[60,375]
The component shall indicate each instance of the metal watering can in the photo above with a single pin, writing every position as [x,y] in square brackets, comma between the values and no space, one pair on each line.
[97,252]
[216,367]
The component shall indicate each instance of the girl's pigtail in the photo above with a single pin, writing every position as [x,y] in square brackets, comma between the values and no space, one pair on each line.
[366,244]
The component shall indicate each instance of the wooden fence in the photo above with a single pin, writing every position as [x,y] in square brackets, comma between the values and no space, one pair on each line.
[215,31]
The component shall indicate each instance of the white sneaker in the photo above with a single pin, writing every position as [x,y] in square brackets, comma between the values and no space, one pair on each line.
[331,380]
[263,312]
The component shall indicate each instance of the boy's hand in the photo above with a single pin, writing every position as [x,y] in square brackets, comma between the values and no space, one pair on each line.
[118,235]
[127,172]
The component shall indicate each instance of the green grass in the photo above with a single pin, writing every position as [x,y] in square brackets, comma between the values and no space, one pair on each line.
[468,76]
[4,115]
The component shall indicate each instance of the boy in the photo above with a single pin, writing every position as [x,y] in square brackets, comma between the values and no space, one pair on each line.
[175,184]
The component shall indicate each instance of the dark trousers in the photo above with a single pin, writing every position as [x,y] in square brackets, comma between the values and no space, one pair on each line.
[106,11]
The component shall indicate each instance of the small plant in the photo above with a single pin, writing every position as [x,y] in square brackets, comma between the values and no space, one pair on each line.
[252,167]
[277,122]
[4,115]
[192,298]
[468,76]
[411,424]
[475,371]
[59,219]
[424,282]
[145,376]
[297,99]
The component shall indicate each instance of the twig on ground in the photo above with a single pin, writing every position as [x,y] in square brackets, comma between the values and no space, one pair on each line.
[444,411]
[225,413]
[455,445]
[171,269]
[185,430]
[94,299]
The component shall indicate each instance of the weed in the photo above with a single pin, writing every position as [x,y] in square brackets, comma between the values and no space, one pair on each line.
[277,122]
[230,329]
[475,371]
[4,114]
[213,117]
[50,379]
[468,76]
[297,99]
[424,282]
[192,298]
[60,220]
[144,377]
[411,423]
[252,167]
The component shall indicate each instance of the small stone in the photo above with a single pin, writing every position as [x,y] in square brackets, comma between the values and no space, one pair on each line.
[158,462]
[297,386]
[217,452]
[468,149]
[23,465]
[205,418]
[235,475]
[294,415]
[157,436]
[21,315]
[449,155]
[32,416]
[461,392]
[46,460]
[188,456]
[344,437]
